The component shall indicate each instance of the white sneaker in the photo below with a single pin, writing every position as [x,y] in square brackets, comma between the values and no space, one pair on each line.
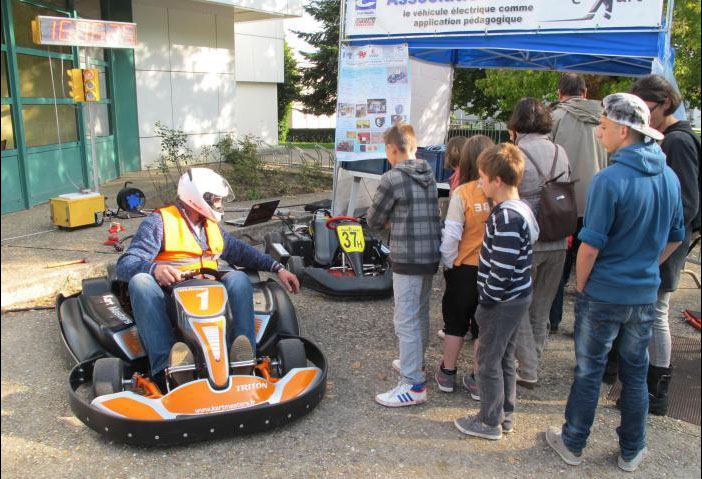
[632,464]
[403,395]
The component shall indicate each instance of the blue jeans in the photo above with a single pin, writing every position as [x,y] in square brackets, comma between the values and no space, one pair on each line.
[597,325]
[156,328]
[411,318]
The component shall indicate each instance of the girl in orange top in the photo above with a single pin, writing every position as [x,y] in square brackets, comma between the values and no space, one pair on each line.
[460,249]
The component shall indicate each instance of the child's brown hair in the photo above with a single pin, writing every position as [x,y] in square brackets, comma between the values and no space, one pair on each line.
[402,136]
[453,151]
[472,149]
[503,160]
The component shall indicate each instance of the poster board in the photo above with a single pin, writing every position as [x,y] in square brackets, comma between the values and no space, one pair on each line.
[373,94]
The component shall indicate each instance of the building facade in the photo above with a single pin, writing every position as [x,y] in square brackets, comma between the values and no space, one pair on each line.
[207,67]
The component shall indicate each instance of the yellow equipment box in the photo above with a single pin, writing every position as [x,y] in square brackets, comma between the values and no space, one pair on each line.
[77,209]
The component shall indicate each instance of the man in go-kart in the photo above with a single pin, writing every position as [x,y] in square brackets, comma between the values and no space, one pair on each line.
[183,237]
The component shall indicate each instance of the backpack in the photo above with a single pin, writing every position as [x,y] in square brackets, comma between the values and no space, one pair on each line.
[557,214]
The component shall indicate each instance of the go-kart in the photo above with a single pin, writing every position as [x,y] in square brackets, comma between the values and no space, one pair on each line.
[334,255]
[111,389]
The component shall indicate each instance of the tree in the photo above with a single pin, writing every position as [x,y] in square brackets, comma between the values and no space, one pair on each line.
[686,40]
[288,91]
[319,79]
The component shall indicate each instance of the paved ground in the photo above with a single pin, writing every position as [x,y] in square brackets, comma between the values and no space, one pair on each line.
[348,435]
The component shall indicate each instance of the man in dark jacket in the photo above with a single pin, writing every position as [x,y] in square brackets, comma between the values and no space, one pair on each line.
[407,201]
[682,149]
[575,122]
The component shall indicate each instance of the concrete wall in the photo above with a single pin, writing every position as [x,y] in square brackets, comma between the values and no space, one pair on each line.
[186,64]
[258,48]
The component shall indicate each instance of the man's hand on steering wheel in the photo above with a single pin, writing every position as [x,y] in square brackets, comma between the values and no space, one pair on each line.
[289,280]
[166,274]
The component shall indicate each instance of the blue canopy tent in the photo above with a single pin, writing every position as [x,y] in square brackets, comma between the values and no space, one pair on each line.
[604,51]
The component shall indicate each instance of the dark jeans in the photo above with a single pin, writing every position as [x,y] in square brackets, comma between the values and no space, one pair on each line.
[597,324]
[556,314]
[497,374]
[154,324]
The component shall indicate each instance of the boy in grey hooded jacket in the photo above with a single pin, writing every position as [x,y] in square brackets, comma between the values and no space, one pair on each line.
[407,201]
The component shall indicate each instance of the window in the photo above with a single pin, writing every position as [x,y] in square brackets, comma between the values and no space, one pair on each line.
[5,85]
[8,134]
[49,124]
[22,16]
[36,79]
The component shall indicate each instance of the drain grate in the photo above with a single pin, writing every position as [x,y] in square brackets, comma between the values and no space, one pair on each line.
[684,392]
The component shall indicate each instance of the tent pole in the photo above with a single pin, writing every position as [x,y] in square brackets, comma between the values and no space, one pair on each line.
[342,32]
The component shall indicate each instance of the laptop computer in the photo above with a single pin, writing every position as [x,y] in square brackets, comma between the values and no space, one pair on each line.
[259,213]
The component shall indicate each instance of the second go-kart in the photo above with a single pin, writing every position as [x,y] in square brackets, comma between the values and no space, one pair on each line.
[111,389]
[334,255]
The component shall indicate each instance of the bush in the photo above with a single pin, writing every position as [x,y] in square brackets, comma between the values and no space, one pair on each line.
[246,164]
[311,135]
[173,160]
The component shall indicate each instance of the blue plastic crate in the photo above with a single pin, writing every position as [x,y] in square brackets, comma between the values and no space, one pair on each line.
[377,166]
[435,158]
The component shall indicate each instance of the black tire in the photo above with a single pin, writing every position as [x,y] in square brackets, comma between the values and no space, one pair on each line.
[108,374]
[296,265]
[291,355]
[99,218]
[269,239]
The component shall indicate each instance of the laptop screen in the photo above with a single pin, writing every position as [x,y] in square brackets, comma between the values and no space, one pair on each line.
[259,213]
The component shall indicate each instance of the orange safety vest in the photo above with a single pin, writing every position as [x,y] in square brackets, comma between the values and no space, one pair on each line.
[180,248]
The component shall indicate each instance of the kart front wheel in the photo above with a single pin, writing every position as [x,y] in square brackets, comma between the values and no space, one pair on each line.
[296,265]
[108,374]
[291,355]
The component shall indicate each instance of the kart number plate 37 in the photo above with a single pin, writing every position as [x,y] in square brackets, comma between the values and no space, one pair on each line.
[351,238]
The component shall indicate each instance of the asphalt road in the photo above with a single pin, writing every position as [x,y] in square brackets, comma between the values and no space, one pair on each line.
[348,435]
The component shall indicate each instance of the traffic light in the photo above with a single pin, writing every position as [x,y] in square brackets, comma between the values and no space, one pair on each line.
[91,84]
[75,84]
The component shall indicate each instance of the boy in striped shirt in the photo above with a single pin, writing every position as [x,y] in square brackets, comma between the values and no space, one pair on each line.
[504,290]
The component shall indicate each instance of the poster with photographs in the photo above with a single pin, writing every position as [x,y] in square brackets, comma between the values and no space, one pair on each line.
[373,94]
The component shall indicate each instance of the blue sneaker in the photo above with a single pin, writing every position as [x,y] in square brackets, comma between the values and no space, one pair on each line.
[403,395]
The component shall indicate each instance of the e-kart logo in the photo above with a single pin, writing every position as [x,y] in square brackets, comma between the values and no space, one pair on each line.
[365,7]
[365,13]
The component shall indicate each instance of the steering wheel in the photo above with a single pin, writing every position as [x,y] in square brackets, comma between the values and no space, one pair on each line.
[331,223]
[217,275]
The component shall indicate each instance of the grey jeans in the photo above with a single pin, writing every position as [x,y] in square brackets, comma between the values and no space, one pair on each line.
[659,349]
[411,317]
[546,273]
[496,370]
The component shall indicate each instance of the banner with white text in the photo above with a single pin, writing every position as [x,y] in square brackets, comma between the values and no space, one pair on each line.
[373,94]
[411,17]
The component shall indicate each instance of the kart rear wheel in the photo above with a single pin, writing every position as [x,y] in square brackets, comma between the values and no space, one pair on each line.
[269,239]
[291,355]
[108,374]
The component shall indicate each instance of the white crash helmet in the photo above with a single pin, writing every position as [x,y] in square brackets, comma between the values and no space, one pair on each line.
[198,187]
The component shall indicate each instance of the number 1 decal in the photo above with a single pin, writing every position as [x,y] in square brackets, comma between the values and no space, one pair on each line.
[204,298]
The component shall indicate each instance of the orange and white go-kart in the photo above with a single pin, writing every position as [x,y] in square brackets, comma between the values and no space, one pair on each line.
[110,386]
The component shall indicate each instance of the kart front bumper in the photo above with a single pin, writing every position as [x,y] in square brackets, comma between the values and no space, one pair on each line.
[192,428]
[323,281]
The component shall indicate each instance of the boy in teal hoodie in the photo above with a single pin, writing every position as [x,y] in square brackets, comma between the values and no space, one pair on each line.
[633,222]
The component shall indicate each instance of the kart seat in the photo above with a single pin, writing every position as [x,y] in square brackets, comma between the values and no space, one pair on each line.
[103,313]
[325,242]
